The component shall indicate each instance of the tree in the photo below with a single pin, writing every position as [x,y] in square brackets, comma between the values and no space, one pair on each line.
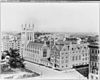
[15,61]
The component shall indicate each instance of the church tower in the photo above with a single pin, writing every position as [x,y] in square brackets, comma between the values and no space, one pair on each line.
[27,35]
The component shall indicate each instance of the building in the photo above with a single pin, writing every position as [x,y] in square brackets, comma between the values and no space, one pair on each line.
[33,50]
[67,55]
[27,34]
[11,41]
[53,52]
[94,64]
[37,53]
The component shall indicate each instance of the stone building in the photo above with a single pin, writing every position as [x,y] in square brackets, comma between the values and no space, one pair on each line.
[94,62]
[27,34]
[68,55]
[37,53]
[33,50]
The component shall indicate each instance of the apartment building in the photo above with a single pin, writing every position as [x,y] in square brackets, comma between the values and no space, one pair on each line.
[94,62]
[11,41]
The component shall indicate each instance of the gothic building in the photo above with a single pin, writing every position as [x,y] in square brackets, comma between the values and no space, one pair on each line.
[27,34]
[37,52]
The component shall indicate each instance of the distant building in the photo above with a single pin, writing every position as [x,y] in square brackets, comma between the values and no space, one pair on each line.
[74,40]
[94,64]
[11,41]
[68,55]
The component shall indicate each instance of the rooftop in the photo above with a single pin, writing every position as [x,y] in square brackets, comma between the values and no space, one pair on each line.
[34,44]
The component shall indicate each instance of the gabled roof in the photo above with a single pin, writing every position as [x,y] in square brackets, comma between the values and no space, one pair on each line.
[57,47]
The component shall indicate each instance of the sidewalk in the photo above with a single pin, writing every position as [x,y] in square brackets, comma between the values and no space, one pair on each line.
[49,73]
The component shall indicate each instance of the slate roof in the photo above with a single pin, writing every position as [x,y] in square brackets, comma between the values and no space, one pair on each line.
[33,44]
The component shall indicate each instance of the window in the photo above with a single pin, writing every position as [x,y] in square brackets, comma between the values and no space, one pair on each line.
[84,47]
[86,54]
[62,53]
[76,57]
[62,66]
[73,58]
[91,77]
[92,51]
[44,53]
[98,51]
[79,57]
[78,47]
[95,51]
[62,57]
[96,78]
[86,58]
[73,52]
[68,47]
[64,49]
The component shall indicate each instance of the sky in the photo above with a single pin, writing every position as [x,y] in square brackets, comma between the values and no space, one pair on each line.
[51,17]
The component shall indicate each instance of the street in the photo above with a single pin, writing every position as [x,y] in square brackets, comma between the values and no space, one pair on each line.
[49,73]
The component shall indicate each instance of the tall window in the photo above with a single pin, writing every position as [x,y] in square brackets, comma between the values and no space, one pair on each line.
[76,57]
[96,78]
[98,51]
[44,52]
[79,57]
[73,58]
[91,77]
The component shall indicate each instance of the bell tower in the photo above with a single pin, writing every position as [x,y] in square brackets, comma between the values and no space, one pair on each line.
[27,34]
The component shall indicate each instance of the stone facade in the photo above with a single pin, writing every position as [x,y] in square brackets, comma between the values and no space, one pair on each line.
[94,63]
[65,56]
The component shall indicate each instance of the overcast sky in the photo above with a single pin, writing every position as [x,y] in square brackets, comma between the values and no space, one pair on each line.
[52,17]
